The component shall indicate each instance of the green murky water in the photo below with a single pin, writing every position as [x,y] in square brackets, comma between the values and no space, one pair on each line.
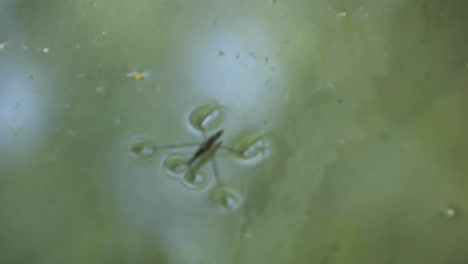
[344,139]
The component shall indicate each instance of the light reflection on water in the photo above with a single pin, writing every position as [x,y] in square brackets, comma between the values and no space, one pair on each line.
[24,117]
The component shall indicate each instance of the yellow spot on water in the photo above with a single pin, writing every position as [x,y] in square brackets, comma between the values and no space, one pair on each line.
[137,76]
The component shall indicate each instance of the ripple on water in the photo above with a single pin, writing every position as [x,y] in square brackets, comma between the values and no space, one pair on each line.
[207,117]
[142,147]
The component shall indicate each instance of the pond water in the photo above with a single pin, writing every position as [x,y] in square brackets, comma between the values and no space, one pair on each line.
[344,131]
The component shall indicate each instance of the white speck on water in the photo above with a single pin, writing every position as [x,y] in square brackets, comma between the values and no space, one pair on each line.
[45,50]
[100,90]
[81,75]
[248,235]
[449,212]
[341,14]
[331,85]
[72,132]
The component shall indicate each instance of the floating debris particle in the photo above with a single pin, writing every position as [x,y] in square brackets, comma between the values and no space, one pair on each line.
[137,75]
[449,212]
[100,90]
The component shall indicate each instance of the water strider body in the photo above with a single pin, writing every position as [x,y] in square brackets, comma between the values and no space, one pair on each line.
[205,147]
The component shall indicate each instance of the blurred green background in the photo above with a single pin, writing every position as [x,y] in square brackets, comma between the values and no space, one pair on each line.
[363,104]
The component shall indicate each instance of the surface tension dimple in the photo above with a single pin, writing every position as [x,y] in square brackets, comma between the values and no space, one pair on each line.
[195,180]
[207,117]
[175,166]
[226,198]
[252,148]
[142,147]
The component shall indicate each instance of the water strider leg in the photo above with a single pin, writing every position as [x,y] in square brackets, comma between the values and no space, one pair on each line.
[181,145]
[194,144]
[215,167]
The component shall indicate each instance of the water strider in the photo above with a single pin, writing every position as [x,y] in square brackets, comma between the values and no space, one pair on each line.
[188,169]
[204,153]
